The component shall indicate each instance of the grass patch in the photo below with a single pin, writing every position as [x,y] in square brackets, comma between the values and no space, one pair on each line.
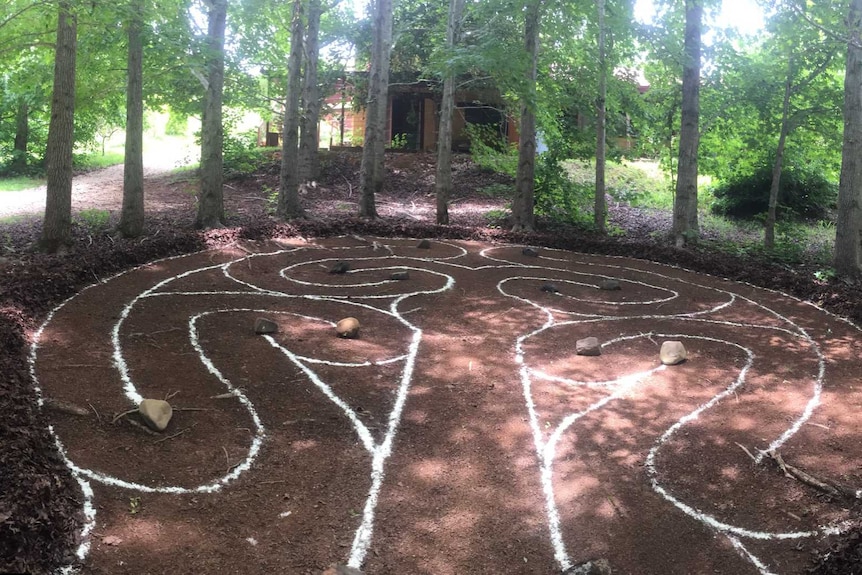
[96,161]
[18,183]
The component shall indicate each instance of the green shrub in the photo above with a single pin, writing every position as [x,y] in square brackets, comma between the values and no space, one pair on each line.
[491,151]
[803,194]
[557,196]
[242,155]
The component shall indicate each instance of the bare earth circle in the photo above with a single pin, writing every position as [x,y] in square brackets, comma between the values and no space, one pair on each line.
[460,433]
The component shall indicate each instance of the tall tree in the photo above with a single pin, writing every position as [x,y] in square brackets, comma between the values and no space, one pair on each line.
[211,197]
[288,193]
[309,139]
[22,136]
[57,228]
[443,176]
[600,209]
[685,226]
[132,216]
[523,204]
[371,169]
[848,232]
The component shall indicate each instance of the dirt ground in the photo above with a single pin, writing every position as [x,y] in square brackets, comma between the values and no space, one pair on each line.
[459,433]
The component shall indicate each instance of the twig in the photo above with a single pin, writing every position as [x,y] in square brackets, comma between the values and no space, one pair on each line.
[141,426]
[124,414]
[164,331]
[271,482]
[192,409]
[745,449]
[227,395]
[827,486]
[818,425]
[171,395]
[177,434]
[96,411]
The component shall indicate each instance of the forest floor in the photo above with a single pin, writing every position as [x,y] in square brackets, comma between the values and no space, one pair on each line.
[460,433]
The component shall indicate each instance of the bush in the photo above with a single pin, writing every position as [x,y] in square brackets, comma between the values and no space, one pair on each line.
[557,196]
[803,194]
[242,155]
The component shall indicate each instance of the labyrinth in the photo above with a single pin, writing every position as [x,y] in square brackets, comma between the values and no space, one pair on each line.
[460,432]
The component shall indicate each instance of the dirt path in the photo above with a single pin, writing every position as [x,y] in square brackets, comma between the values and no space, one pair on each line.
[461,432]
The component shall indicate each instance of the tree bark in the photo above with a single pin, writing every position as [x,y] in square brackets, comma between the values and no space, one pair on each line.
[371,169]
[211,198]
[685,226]
[848,232]
[57,228]
[132,216]
[22,136]
[443,176]
[771,212]
[288,193]
[522,206]
[309,140]
[600,209]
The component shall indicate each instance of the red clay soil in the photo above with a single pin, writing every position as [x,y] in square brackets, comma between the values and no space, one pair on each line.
[460,433]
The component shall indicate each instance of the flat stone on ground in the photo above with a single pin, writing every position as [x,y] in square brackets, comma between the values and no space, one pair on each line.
[263,325]
[400,276]
[348,328]
[424,245]
[588,346]
[156,413]
[610,285]
[672,352]
[530,252]
[550,288]
[341,570]
[592,567]
[340,268]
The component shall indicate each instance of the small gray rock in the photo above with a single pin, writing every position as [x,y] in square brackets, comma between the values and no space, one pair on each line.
[340,268]
[588,346]
[610,285]
[530,252]
[156,413]
[424,245]
[348,328]
[263,325]
[400,276]
[672,352]
[550,288]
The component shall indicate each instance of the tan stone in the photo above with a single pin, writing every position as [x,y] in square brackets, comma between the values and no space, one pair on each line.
[156,413]
[348,328]
[672,352]
[588,346]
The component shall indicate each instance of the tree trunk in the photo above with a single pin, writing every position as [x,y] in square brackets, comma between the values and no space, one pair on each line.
[443,177]
[22,136]
[288,193]
[522,206]
[600,210]
[685,227]
[371,169]
[848,232]
[132,216]
[769,232]
[309,140]
[57,228]
[211,198]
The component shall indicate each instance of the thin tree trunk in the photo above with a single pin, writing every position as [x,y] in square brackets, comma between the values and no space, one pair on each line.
[288,193]
[309,140]
[57,228]
[769,232]
[685,227]
[211,198]
[600,210]
[443,177]
[371,169]
[522,206]
[848,232]
[132,217]
[22,136]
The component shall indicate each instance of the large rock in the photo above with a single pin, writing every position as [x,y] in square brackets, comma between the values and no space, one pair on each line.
[588,346]
[672,352]
[340,268]
[348,328]
[156,413]
[263,325]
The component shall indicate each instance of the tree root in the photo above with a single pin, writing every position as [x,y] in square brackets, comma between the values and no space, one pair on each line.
[827,486]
